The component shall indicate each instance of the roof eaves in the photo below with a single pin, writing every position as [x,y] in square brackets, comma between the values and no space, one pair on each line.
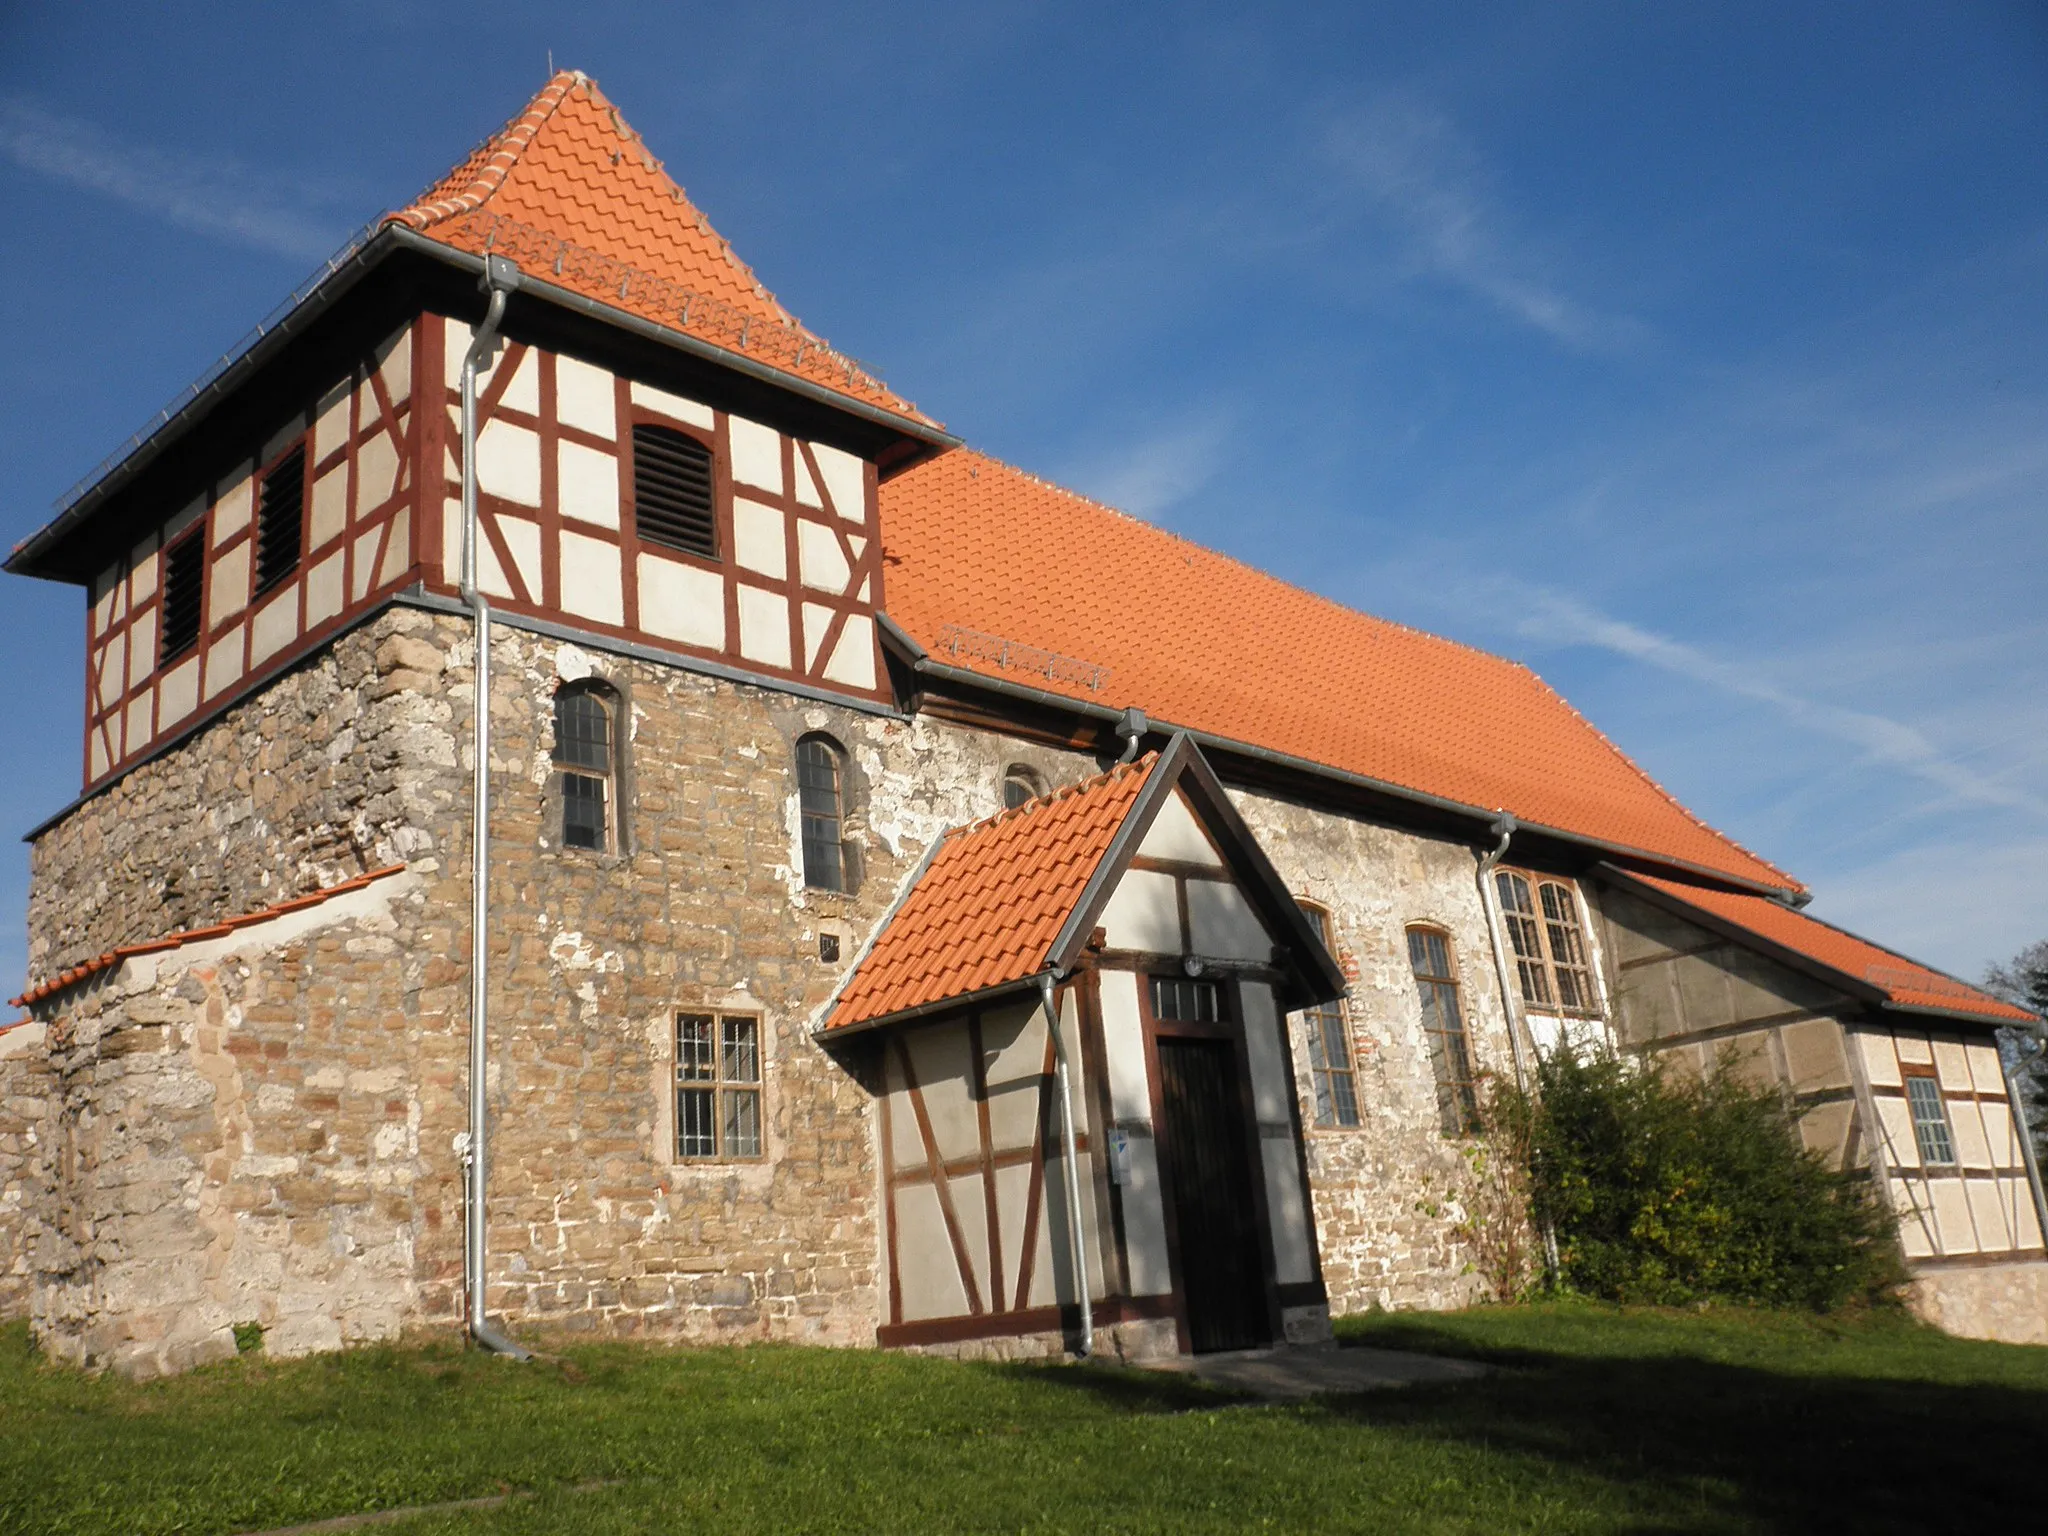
[1080,922]
[1858,988]
[1861,988]
[1214,743]
[681,341]
[937,1005]
[305,304]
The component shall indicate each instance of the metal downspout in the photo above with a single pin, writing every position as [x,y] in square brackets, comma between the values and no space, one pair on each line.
[1132,728]
[500,277]
[1077,1243]
[1504,824]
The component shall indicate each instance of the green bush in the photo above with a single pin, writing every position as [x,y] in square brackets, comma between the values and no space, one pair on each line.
[1668,1192]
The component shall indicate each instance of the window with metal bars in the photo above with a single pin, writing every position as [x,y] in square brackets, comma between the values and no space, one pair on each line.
[586,766]
[1542,921]
[1186,1000]
[184,587]
[821,808]
[1329,1044]
[718,1087]
[1931,1130]
[672,491]
[1443,1028]
[280,519]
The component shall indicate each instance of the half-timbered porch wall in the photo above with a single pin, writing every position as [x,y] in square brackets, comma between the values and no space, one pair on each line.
[976,1205]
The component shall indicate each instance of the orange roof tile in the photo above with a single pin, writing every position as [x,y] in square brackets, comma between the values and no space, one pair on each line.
[986,909]
[52,985]
[569,191]
[1136,616]
[1904,983]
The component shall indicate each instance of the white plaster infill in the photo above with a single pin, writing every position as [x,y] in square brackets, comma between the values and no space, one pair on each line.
[135,967]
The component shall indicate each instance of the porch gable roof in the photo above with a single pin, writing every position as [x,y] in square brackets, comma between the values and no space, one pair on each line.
[1000,902]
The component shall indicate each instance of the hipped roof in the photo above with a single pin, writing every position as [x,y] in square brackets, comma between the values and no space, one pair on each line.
[568,191]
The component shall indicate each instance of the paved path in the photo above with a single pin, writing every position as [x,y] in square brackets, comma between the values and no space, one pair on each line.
[1294,1372]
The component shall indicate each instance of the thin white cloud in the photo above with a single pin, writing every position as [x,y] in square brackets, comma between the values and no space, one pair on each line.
[215,197]
[1410,159]
[1552,616]
[1150,474]
[1957,905]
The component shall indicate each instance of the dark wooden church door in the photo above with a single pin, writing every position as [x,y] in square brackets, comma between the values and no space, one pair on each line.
[1222,1273]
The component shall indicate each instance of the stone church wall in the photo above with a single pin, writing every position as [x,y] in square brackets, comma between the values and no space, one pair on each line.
[283,1121]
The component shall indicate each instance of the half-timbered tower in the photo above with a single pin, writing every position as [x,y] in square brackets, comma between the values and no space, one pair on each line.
[921,905]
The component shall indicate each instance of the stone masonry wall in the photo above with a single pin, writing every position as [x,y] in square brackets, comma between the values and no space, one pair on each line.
[234,1135]
[1386,1193]
[347,1048]
[24,1101]
[312,780]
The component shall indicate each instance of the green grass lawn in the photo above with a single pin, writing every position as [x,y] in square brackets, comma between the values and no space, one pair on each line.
[1600,1419]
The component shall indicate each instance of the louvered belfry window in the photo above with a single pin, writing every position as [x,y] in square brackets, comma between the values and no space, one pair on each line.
[672,502]
[184,572]
[280,520]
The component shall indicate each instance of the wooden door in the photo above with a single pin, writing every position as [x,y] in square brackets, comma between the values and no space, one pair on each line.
[1208,1180]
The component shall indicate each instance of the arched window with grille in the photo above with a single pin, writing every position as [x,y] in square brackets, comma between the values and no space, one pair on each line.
[1329,1043]
[821,810]
[587,765]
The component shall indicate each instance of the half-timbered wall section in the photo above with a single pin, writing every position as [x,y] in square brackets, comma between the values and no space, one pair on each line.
[1958,1180]
[346,459]
[1704,1001]
[975,1178]
[787,584]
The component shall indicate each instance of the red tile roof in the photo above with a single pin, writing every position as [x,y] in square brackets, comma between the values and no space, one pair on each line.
[1134,616]
[113,957]
[987,908]
[1904,983]
[568,190]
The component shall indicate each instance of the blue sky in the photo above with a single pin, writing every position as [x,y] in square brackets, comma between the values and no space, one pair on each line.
[1697,356]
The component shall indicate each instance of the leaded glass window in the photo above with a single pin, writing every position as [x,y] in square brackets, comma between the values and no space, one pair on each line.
[821,806]
[1543,929]
[1329,1045]
[586,763]
[1930,1122]
[1443,1029]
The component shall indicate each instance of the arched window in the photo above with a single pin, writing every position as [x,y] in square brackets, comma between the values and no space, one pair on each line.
[1443,1027]
[1329,1043]
[1542,919]
[821,808]
[1021,783]
[586,764]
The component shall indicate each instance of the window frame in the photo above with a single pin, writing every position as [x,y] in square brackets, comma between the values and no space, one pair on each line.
[629,490]
[718,1086]
[259,588]
[1028,777]
[1457,1096]
[610,778]
[845,857]
[1318,1023]
[1923,1125]
[1537,922]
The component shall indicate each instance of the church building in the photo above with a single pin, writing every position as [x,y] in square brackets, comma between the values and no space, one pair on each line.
[857,892]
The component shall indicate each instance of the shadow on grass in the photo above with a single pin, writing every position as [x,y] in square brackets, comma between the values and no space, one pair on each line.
[1734,1444]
